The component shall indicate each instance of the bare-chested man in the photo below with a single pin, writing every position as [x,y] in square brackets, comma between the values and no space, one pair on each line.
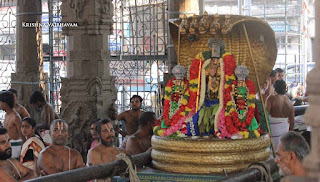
[104,152]
[131,118]
[44,114]
[10,169]
[268,87]
[58,157]
[22,111]
[281,112]
[12,122]
[141,141]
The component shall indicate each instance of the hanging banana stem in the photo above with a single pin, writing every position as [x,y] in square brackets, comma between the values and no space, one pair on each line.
[256,74]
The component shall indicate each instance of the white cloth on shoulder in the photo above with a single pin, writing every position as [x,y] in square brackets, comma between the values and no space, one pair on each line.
[16,148]
[279,127]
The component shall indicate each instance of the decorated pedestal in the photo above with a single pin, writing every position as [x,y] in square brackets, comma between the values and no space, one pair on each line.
[211,121]
[205,156]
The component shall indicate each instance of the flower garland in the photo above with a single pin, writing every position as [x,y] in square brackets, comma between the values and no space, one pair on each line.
[188,101]
[179,126]
[222,131]
[203,83]
[232,121]
[168,102]
[221,100]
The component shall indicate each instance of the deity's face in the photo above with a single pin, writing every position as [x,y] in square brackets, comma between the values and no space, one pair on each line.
[5,147]
[93,131]
[107,135]
[27,129]
[135,103]
[282,159]
[59,133]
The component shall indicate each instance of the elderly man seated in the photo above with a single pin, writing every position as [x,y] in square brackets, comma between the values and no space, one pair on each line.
[292,149]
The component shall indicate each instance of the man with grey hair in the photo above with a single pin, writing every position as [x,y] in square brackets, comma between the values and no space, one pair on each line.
[292,149]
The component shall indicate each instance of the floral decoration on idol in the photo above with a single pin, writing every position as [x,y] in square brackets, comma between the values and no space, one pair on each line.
[179,101]
[239,96]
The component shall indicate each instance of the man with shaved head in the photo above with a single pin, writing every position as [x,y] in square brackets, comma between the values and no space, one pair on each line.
[58,157]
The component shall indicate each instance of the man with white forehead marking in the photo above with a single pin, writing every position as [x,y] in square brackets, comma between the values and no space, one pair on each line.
[58,157]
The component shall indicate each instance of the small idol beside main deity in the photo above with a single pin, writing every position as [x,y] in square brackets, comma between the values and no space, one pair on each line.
[215,25]
[194,24]
[184,26]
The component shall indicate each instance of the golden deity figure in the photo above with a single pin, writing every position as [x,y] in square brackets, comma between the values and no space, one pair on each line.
[184,25]
[194,25]
[213,79]
[226,26]
[204,23]
[215,25]
[213,70]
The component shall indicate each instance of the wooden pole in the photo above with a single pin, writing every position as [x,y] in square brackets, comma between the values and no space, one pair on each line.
[96,172]
[198,87]
[250,174]
[256,74]
[179,39]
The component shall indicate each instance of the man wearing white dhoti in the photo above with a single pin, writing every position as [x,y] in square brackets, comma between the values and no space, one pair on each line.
[281,112]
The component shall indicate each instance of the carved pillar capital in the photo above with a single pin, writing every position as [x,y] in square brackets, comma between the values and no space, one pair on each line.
[91,16]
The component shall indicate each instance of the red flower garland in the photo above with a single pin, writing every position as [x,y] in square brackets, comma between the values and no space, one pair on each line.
[233,123]
[194,70]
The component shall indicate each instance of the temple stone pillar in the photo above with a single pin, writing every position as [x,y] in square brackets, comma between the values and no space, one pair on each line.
[29,65]
[312,162]
[88,92]
[312,117]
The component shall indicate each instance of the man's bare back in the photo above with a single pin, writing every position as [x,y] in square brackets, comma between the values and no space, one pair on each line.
[22,111]
[279,106]
[52,160]
[138,144]
[141,141]
[12,124]
[131,118]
